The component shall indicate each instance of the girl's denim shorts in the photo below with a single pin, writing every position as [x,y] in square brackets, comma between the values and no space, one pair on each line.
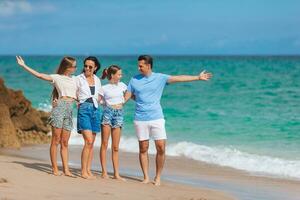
[88,118]
[113,117]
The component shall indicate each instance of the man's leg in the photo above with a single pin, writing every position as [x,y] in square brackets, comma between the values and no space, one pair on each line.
[160,159]
[144,159]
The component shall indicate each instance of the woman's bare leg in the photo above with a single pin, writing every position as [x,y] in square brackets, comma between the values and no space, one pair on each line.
[91,156]
[88,145]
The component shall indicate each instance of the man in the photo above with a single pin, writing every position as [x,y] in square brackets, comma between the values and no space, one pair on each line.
[147,88]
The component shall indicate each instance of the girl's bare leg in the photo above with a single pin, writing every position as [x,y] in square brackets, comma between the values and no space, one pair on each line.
[115,135]
[64,151]
[104,143]
[55,141]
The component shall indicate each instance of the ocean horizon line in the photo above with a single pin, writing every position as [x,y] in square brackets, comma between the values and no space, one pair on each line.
[160,55]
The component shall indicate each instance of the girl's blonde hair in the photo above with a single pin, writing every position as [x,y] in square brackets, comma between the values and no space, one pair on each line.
[65,63]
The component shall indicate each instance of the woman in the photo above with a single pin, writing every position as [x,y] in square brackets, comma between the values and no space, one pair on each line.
[61,115]
[112,120]
[88,118]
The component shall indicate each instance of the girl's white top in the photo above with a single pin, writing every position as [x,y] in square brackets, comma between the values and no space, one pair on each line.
[83,89]
[65,85]
[114,93]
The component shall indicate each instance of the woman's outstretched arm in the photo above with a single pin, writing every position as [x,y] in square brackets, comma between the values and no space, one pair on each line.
[21,62]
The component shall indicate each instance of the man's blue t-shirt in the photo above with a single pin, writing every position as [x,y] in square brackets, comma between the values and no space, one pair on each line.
[147,91]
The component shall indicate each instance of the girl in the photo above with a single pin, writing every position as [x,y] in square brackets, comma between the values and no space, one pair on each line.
[61,115]
[112,120]
[88,118]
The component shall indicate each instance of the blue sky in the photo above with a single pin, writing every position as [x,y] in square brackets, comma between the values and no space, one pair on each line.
[156,27]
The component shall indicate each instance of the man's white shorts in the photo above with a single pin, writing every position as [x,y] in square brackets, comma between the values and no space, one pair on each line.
[154,129]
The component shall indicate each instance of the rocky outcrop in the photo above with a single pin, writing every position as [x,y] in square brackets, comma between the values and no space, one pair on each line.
[8,133]
[20,123]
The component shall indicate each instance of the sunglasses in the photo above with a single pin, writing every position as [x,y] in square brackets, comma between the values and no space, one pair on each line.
[88,66]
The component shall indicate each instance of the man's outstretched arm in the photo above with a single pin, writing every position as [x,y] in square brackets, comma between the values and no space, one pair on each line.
[203,76]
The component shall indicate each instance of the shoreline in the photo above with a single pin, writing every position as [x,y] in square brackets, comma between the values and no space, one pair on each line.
[235,184]
[27,176]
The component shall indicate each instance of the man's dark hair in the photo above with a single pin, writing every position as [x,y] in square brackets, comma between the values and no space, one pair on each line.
[147,59]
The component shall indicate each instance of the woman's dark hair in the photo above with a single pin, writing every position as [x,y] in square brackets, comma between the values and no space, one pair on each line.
[107,72]
[148,59]
[95,60]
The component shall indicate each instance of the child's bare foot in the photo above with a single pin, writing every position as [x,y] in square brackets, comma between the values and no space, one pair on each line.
[157,181]
[119,178]
[69,174]
[56,173]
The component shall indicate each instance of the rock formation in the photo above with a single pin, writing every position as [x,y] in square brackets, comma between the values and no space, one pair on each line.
[20,123]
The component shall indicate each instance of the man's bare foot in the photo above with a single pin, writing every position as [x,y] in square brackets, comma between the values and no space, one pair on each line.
[145,181]
[157,181]
[105,176]
[119,178]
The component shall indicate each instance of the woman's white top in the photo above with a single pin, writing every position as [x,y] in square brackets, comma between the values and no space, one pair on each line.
[83,89]
[114,93]
[65,85]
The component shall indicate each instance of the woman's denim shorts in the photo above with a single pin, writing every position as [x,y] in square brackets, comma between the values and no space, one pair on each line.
[113,117]
[61,115]
[88,118]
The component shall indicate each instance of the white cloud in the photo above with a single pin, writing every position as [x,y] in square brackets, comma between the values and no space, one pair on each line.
[13,7]
[10,7]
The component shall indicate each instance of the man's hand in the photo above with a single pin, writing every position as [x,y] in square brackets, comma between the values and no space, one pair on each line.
[204,76]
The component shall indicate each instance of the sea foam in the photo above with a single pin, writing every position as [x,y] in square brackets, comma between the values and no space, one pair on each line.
[223,156]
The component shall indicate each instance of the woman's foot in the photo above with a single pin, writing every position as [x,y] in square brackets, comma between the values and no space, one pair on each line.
[85,175]
[145,181]
[104,175]
[90,174]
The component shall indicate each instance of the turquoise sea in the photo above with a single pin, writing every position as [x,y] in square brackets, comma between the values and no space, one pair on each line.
[247,117]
